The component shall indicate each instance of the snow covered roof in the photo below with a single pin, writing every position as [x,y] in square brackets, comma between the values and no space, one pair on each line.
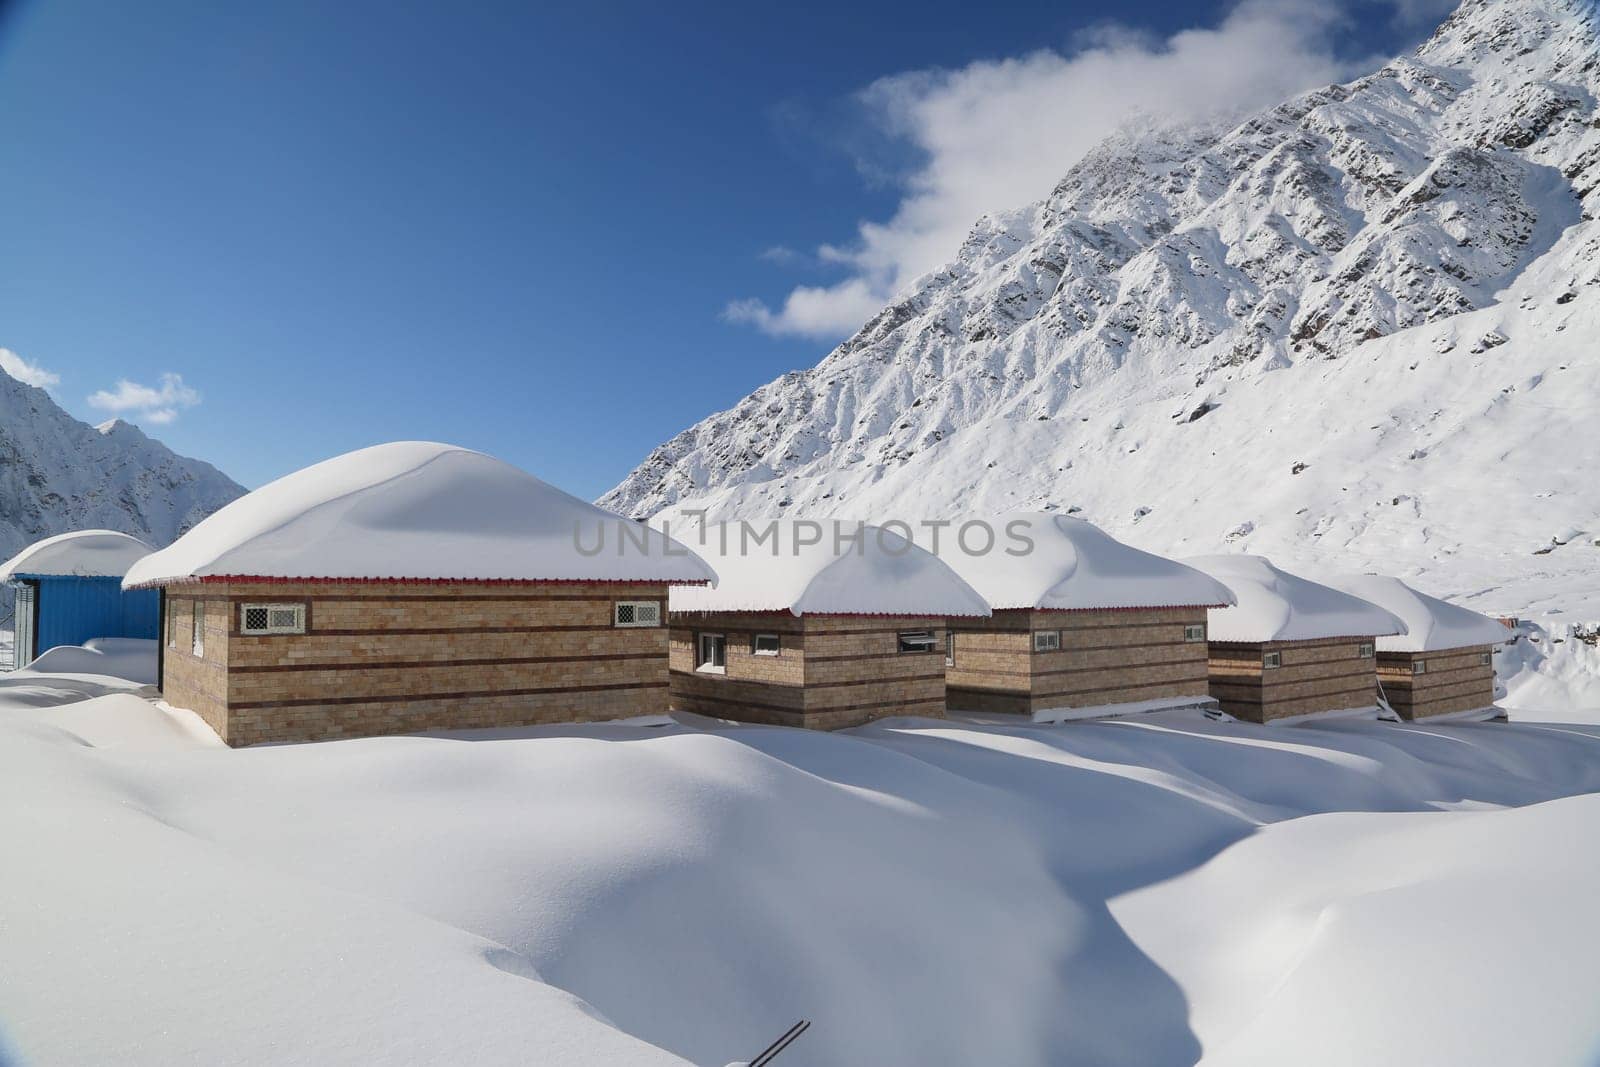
[1431,624]
[1072,565]
[422,511]
[1274,605]
[82,553]
[796,566]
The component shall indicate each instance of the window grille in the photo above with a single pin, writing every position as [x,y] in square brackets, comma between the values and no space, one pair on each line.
[272,619]
[637,613]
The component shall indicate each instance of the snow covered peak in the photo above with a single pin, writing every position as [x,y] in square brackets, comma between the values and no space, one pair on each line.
[1274,605]
[1050,561]
[1431,624]
[81,553]
[1493,32]
[822,569]
[1347,330]
[59,474]
[418,510]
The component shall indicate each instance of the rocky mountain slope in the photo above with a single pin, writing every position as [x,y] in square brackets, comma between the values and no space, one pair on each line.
[59,474]
[1357,329]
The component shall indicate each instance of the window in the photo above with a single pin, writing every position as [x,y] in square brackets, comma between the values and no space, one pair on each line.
[1271,660]
[713,654]
[949,648]
[916,641]
[272,618]
[199,629]
[172,624]
[1047,640]
[1364,650]
[1195,632]
[1419,666]
[637,613]
[765,645]
[1486,659]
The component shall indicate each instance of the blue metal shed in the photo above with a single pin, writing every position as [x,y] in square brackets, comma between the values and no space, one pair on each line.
[69,590]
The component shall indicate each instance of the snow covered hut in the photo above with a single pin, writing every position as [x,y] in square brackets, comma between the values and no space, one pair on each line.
[69,590]
[1083,624]
[804,630]
[1291,647]
[413,586]
[1444,663]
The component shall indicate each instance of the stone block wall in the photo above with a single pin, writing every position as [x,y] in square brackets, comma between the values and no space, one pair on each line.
[391,657]
[1456,679]
[832,671]
[1328,674]
[1106,657]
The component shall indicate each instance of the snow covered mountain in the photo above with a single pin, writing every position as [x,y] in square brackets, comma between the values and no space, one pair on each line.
[1356,329]
[59,474]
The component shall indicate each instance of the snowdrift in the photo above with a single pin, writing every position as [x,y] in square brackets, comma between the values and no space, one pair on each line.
[927,893]
[130,658]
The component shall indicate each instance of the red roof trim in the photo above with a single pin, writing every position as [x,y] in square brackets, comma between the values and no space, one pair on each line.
[1139,607]
[268,579]
[829,614]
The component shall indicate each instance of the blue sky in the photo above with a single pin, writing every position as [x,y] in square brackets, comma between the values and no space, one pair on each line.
[558,233]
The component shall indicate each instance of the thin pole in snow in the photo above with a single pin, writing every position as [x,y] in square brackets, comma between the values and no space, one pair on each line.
[770,1053]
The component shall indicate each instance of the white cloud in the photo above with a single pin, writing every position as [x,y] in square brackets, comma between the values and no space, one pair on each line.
[25,372]
[146,404]
[812,311]
[780,254]
[999,134]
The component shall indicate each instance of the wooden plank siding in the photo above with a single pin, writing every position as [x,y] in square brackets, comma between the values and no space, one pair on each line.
[832,671]
[1106,657]
[1456,679]
[1327,674]
[398,657]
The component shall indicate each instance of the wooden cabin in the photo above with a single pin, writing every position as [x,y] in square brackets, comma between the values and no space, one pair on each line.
[1443,665]
[411,587]
[1082,625]
[814,634]
[1290,647]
